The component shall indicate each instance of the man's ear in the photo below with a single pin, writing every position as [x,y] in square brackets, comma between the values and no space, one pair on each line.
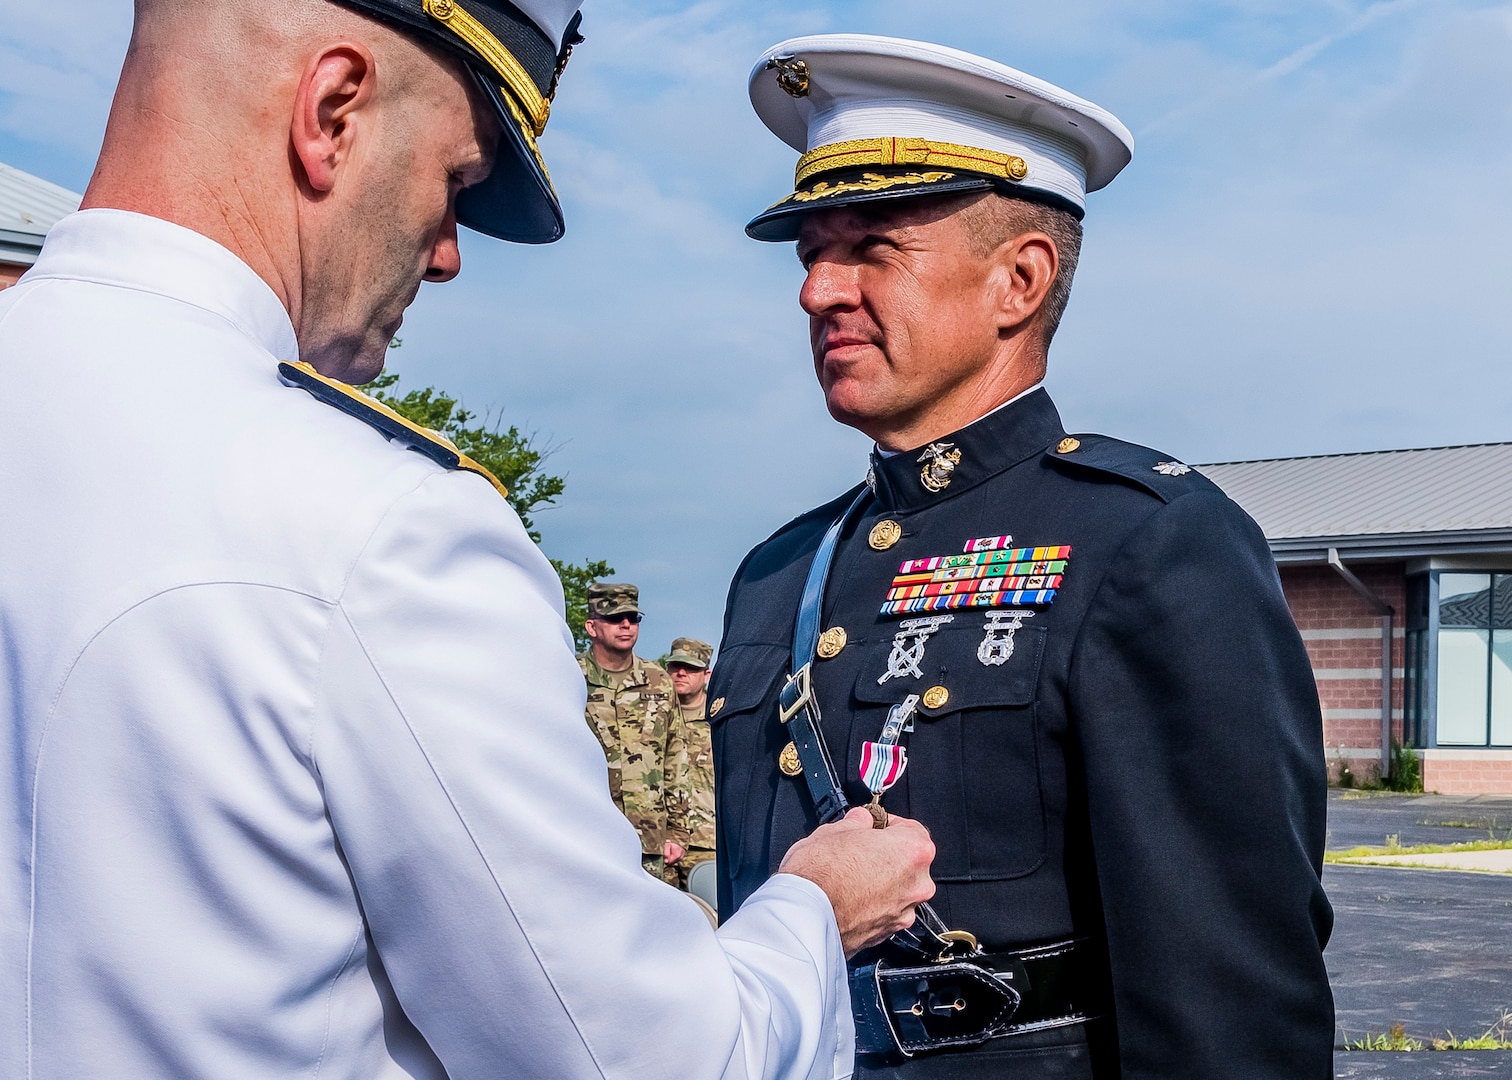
[1024,269]
[339,81]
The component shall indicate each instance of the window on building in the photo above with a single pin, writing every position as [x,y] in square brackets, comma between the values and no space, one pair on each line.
[1466,648]
[1415,708]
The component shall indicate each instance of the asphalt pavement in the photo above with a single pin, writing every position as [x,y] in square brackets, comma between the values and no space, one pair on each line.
[1428,949]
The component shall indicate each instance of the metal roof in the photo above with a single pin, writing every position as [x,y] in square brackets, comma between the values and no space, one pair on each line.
[29,206]
[1446,499]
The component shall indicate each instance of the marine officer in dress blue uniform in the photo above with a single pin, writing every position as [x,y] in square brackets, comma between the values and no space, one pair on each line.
[295,777]
[1067,655]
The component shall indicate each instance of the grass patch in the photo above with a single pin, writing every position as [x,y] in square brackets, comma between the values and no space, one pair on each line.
[1497,1037]
[1394,847]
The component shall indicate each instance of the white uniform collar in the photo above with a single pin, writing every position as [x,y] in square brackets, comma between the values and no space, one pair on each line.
[135,251]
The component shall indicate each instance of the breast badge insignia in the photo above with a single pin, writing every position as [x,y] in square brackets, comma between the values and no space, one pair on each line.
[939,461]
[908,646]
[997,646]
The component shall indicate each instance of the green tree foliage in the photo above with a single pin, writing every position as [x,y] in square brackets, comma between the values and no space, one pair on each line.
[511,456]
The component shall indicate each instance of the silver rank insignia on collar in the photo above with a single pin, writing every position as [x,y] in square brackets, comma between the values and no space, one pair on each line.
[939,461]
[906,655]
[871,478]
[997,646]
[1171,468]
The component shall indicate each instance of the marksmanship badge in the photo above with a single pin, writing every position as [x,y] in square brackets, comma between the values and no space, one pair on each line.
[997,646]
[939,462]
[908,646]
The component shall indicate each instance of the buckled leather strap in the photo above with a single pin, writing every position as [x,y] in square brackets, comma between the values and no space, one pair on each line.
[909,1010]
[798,709]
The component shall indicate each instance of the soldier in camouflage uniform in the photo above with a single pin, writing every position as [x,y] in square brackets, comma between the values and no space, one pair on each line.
[632,708]
[688,664]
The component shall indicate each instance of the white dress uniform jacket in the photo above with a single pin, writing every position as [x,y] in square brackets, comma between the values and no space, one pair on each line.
[295,778]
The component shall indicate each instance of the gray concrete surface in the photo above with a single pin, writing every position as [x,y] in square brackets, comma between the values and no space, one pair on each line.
[1445,1065]
[1359,818]
[1429,949]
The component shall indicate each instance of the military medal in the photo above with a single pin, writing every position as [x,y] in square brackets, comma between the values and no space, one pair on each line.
[883,761]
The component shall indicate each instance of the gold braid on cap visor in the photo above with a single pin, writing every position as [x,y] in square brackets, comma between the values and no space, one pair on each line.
[534,110]
[860,152]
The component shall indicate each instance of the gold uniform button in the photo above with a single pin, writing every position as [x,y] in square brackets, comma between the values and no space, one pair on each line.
[788,761]
[1067,445]
[831,642]
[936,696]
[884,534]
[715,706]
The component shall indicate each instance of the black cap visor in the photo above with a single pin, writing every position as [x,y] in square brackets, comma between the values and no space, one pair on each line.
[516,202]
[847,187]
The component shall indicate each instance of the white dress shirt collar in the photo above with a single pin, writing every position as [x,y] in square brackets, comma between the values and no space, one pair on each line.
[135,251]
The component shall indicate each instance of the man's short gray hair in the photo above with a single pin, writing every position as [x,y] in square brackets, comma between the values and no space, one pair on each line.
[995,219]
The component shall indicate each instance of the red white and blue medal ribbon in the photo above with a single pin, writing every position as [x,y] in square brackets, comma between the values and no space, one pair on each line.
[881,765]
[883,761]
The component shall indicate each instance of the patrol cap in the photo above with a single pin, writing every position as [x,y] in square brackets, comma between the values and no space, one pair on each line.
[607,598]
[880,118]
[516,52]
[691,651]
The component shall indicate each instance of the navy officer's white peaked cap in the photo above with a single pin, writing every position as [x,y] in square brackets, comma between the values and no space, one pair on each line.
[883,118]
[516,52]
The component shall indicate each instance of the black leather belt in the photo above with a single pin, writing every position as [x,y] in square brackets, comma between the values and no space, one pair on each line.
[965,1001]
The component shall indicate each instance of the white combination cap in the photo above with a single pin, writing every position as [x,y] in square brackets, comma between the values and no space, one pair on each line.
[883,118]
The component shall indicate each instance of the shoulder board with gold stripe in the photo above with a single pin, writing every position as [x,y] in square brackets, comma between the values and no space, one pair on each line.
[376,414]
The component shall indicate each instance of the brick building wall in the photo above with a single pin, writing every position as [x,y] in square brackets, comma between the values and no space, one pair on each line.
[1343,638]
[10,273]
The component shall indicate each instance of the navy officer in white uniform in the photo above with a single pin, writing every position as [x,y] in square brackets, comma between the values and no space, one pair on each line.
[1080,645]
[295,774]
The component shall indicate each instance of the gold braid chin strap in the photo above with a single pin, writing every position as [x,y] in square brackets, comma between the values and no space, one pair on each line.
[534,109]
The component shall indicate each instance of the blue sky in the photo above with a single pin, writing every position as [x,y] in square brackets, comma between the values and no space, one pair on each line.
[1309,253]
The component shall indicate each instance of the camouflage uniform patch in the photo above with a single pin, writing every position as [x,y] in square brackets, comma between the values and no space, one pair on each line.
[635,715]
[698,782]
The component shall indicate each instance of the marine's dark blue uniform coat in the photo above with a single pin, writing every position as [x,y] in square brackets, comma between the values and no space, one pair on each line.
[1145,770]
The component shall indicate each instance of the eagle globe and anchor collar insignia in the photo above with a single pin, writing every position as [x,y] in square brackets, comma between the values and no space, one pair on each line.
[939,460]
[377,415]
